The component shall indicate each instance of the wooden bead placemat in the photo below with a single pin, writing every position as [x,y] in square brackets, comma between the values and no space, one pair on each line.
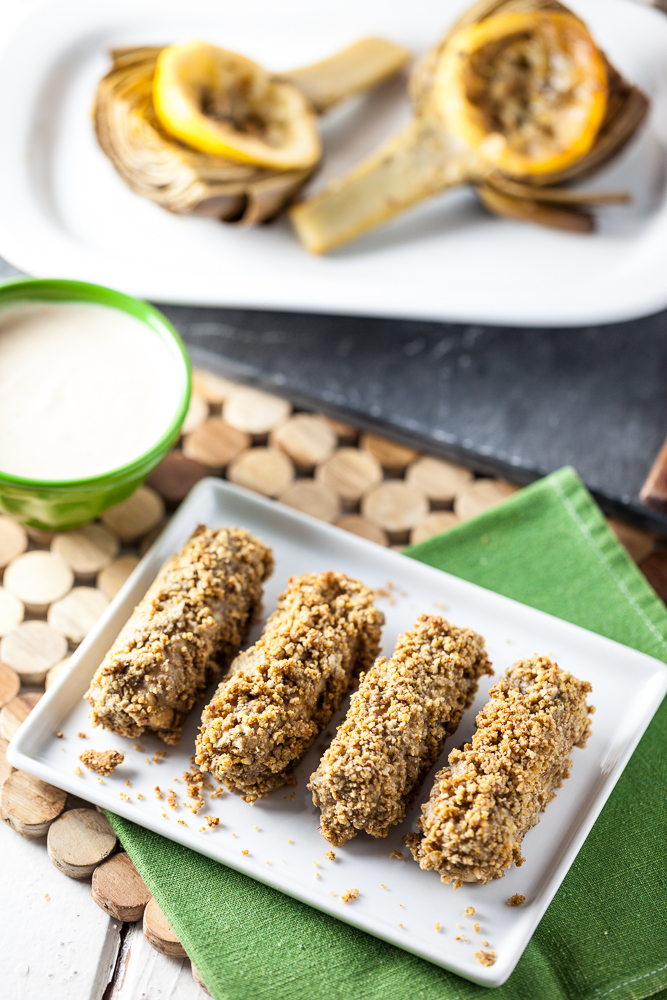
[55,585]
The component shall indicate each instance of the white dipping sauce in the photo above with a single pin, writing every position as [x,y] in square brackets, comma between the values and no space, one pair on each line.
[84,389]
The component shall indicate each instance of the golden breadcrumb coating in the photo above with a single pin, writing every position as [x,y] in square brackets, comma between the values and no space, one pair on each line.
[280,693]
[102,761]
[188,627]
[491,794]
[397,725]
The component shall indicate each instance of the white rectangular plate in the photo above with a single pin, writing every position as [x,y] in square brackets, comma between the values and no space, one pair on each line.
[66,213]
[397,901]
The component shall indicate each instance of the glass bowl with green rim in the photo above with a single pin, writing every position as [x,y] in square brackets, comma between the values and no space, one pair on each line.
[56,505]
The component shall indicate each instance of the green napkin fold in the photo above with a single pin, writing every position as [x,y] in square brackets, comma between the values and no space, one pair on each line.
[605,933]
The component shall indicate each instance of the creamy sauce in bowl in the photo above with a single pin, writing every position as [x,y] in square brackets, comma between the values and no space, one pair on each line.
[84,389]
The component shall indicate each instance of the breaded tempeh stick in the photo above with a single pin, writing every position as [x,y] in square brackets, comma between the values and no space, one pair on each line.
[188,627]
[491,794]
[281,693]
[396,728]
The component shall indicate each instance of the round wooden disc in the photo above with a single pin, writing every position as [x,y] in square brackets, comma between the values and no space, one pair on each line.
[32,649]
[87,550]
[215,443]
[79,841]
[54,673]
[111,579]
[438,480]
[159,934]
[391,456]
[76,614]
[119,888]
[30,805]
[5,767]
[196,415]
[11,612]
[312,498]
[15,712]
[345,433]
[175,476]
[135,516]
[13,539]
[433,524]
[147,540]
[255,412]
[38,579]
[308,439]
[214,388]
[479,495]
[264,470]
[199,981]
[361,526]
[10,684]
[638,543]
[350,473]
[395,506]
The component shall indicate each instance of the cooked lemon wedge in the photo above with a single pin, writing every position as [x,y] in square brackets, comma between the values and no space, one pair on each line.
[526,89]
[221,103]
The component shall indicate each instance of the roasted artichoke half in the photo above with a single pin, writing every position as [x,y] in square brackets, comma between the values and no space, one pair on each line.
[206,132]
[517,100]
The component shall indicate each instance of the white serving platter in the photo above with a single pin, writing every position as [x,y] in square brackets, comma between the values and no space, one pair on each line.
[397,901]
[64,212]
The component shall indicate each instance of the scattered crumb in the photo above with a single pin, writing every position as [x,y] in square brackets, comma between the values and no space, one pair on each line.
[138,748]
[516,900]
[164,815]
[397,855]
[182,822]
[194,779]
[316,864]
[158,793]
[77,770]
[485,943]
[255,828]
[458,937]
[486,957]
[383,886]
[330,855]
[245,852]
[268,862]
[59,735]
[469,911]
[317,874]
[157,756]
[290,796]
[100,781]
[81,735]
[475,927]
[172,800]
[47,897]
[400,925]
[124,797]
[102,761]
[460,925]
[129,784]
[147,761]
[140,796]
[211,821]
[349,894]
[289,841]
[437,927]
[217,793]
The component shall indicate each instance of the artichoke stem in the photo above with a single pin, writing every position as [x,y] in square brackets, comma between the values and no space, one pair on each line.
[418,162]
[350,71]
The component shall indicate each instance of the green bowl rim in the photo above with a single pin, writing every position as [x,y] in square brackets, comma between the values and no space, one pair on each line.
[83,291]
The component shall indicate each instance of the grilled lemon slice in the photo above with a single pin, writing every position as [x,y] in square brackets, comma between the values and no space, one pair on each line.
[221,103]
[526,89]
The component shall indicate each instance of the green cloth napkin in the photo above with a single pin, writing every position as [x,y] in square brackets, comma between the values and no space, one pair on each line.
[605,933]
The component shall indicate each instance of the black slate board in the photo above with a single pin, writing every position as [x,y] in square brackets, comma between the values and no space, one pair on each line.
[512,402]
